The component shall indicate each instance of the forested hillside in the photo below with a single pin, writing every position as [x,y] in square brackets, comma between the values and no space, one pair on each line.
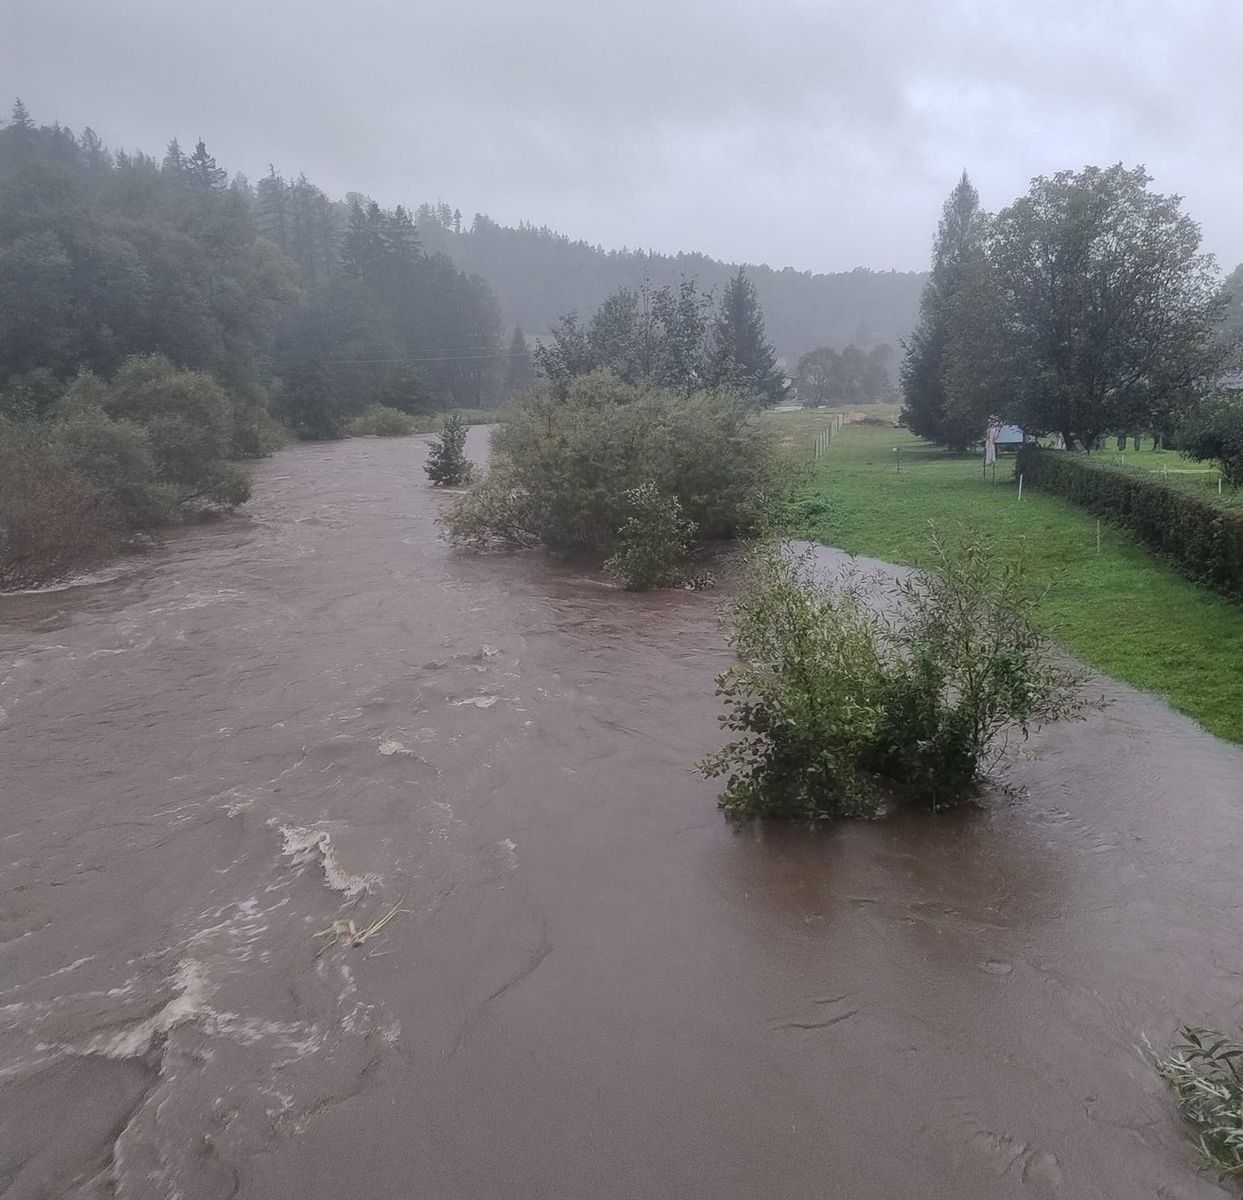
[539,275]
[106,255]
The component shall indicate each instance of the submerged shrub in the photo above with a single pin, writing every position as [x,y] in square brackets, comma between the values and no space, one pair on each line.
[837,698]
[1206,1070]
[652,540]
[380,421]
[562,466]
[805,699]
[446,457]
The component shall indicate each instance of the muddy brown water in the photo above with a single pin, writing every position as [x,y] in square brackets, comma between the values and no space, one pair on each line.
[594,987]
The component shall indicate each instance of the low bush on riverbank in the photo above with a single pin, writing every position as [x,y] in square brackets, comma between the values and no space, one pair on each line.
[379,421]
[52,522]
[102,459]
[562,467]
[1206,1071]
[837,698]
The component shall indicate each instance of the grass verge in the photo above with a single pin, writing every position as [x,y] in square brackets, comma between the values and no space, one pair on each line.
[1121,610]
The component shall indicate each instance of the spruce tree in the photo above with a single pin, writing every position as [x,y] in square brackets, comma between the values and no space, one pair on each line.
[20,118]
[740,353]
[447,463]
[957,254]
[203,172]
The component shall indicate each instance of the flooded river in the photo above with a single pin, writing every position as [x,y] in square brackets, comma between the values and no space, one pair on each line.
[592,988]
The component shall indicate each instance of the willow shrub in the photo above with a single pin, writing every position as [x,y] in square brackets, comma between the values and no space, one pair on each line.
[1206,1071]
[844,694]
[563,469]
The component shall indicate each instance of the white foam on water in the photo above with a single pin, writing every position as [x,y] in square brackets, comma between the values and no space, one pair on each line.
[390,746]
[477,701]
[303,846]
[191,984]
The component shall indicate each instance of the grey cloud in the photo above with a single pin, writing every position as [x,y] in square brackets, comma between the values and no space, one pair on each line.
[813,134]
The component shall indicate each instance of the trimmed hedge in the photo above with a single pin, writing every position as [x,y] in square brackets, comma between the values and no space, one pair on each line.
[1203,540]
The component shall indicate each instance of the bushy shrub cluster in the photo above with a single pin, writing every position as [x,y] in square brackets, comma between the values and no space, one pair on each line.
[155,441]
[381,421]
[651,542]
[1202,539]
[103,458]
[562,467]
[838,698]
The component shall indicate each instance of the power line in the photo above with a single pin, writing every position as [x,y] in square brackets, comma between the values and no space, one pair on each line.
[413,358]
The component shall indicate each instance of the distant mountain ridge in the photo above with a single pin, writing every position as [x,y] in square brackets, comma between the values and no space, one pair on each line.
[538,275]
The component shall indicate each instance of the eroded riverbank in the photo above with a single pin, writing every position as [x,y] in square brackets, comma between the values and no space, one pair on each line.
[317,712]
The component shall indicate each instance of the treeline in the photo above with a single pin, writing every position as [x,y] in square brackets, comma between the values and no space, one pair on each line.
[850,376]
[539,275]
[681,339]
[159,322]
[1086,307]
[107,255]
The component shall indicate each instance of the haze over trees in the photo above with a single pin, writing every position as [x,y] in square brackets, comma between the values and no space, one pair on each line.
[539,275]
[851,376]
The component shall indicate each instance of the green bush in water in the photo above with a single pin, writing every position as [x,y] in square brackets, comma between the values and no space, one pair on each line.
[838,701]
[562,466]
[651,542]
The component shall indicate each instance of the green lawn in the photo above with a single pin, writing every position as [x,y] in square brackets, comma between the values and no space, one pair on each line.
[1123,610]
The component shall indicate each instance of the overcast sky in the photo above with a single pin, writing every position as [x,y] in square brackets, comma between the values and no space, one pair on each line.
[807,133]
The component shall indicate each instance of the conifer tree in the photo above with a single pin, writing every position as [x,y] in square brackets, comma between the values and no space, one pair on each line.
[740,353]
[203,172]
[958,254]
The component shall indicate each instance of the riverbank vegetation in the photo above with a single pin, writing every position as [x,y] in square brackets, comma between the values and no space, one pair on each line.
[1120,609]
[851,690]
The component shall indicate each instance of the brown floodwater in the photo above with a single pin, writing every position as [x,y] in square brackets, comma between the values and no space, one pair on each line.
[593,987]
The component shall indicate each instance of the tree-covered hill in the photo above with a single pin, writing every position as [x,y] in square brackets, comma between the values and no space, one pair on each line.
[539,275]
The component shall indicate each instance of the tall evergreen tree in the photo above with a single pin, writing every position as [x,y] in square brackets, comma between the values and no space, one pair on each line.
[174,158]
[202,171]
[958,249]
[20,118]
[740,353]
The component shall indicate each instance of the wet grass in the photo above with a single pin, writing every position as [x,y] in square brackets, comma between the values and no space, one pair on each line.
[1121,610]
